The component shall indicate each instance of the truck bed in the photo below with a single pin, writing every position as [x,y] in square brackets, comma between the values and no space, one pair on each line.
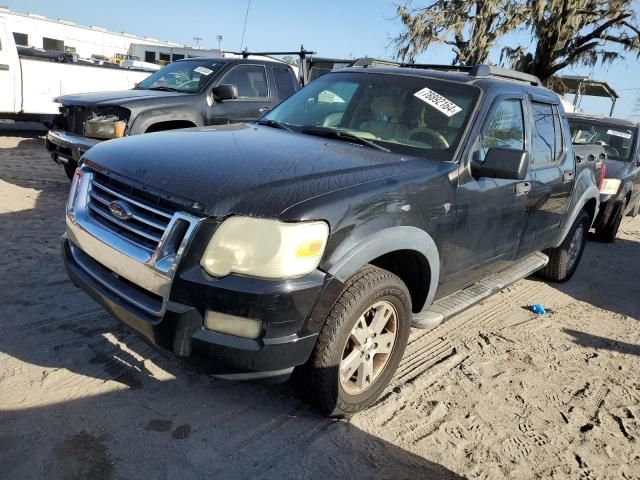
[43,80]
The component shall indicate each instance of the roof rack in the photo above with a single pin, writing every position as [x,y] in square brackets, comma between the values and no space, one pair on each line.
[373,62]
[302,53]
[480,70]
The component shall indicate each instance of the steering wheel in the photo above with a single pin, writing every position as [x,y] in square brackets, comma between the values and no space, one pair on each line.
[611,151]
[429,131]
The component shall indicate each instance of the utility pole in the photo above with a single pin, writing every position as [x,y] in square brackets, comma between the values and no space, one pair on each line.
[197,39]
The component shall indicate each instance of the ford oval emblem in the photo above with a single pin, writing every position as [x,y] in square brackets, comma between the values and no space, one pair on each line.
[120,210]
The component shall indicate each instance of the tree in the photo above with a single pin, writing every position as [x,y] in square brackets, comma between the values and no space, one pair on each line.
[576,32]
[470,27]
[290,60]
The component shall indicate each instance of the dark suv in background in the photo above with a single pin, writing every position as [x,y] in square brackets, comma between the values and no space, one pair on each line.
[620,189]
[188,93]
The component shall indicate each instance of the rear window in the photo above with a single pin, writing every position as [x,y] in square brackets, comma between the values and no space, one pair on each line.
[286,84]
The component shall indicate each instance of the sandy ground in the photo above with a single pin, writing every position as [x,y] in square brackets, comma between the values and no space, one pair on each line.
[495,393]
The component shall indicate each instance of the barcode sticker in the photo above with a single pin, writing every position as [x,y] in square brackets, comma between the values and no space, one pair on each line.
[438,102]
[616,133]
[203,70]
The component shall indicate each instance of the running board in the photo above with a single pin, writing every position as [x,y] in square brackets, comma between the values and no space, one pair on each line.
[451,305]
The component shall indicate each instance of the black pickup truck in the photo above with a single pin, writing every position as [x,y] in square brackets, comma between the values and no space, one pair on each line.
[187,93]
[620,187]
[372,200]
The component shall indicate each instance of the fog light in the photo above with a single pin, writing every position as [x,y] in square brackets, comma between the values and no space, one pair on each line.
[232,325]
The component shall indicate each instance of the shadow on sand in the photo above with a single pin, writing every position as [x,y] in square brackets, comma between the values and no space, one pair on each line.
[58,350]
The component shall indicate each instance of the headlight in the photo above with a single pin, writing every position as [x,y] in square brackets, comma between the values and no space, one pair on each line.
[610,186]
[106,126]
[265,248]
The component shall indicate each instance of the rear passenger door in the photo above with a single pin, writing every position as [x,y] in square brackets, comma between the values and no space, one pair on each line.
[254,96]
[285,82]
[553,172]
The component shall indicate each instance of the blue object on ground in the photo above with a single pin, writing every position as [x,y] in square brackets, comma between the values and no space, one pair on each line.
[537,309]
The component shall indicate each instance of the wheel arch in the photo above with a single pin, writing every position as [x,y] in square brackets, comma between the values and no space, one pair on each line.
[589,201]
[408,252]
[169,125]
[144,120]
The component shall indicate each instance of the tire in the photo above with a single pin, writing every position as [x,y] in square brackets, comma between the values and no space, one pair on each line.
[564,260]
[607,234]
[70,169]
[371,290]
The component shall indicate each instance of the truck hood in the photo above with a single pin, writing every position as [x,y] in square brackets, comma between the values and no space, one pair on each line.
[246,169]
[116,98]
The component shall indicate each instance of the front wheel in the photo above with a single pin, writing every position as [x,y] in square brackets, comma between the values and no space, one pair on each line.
[360,345]
[564,260]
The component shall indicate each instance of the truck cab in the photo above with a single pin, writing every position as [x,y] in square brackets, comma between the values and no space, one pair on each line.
[9,71]
[192,92]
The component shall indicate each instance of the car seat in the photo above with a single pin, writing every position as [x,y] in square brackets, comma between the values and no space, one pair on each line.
[386,110]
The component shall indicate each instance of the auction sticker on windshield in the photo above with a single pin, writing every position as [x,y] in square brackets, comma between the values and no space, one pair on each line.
[438,102]
[616,133]
[203,71]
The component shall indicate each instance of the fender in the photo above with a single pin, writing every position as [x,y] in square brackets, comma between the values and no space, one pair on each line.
[588,194]
[147,118]
[345,261]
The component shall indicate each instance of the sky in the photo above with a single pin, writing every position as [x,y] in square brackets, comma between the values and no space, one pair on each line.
[332,28]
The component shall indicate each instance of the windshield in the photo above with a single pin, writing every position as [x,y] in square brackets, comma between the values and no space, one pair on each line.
[616,140]
[186,76]
[409,115]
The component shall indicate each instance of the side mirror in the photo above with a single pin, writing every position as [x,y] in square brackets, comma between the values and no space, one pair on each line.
[502,163]
[225,92]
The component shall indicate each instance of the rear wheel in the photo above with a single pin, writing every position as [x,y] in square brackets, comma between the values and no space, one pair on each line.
[70,168]
[564,260]
[360,345]
[607,234]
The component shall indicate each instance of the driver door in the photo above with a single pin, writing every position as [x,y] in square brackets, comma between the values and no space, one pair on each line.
[492,212]
[254,96]
[9,101]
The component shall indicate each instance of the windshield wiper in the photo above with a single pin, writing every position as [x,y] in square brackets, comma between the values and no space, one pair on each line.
[274,124]
[163,89]
[342,135]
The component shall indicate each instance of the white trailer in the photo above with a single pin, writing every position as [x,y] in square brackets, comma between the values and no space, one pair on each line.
[29,85]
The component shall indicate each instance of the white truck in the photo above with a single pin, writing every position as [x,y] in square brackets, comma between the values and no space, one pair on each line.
[29,85]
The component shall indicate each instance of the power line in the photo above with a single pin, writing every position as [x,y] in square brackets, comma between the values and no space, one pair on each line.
[244,28]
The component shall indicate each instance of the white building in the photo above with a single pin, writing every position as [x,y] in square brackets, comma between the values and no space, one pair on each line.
[33,30]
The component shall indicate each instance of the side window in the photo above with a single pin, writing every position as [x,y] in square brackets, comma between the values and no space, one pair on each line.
[557,126]
[544,134]
[251,81]
[504,128]
[285,81]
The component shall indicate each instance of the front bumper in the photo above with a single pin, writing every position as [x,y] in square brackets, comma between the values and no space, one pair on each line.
[179,330]
[68,146]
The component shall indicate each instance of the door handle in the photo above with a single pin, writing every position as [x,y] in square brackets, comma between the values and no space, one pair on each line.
[264,109]
[4,66]
[567,176]
[523,188]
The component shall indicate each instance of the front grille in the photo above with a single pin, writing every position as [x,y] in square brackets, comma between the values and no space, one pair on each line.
[150,214]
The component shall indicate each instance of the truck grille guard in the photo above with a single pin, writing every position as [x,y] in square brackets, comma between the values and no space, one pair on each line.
[127,240]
